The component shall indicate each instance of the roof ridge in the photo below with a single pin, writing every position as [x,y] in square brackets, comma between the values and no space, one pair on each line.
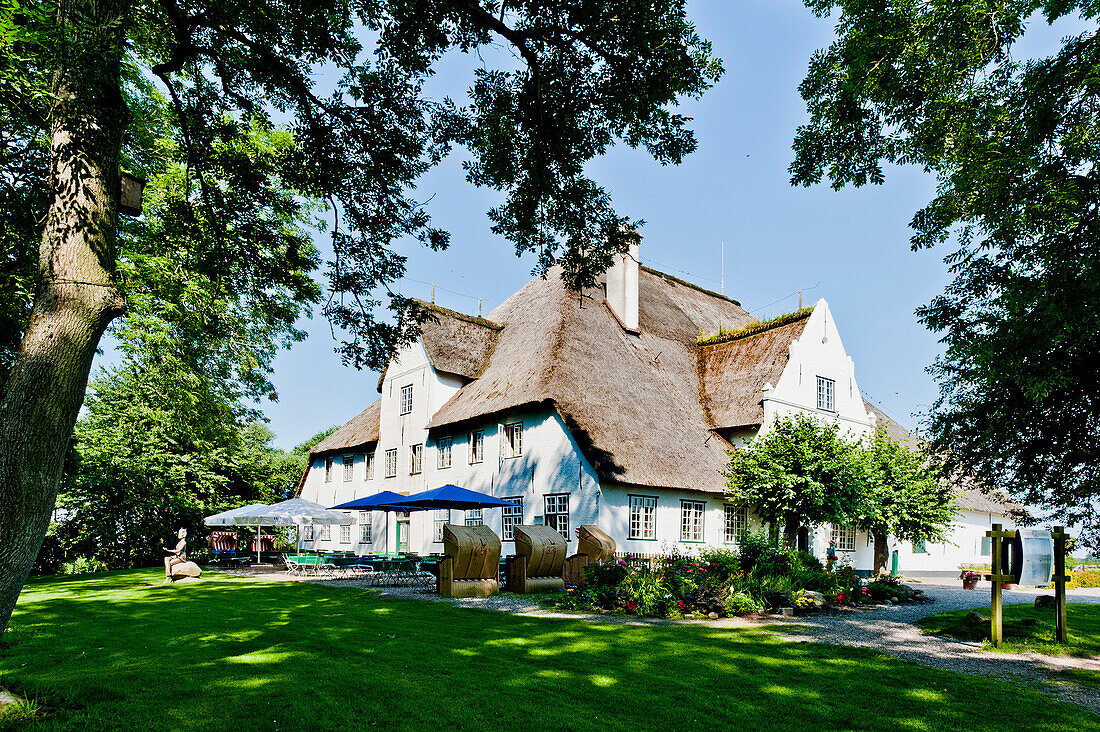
[476,320]
[755,329]
[692,285]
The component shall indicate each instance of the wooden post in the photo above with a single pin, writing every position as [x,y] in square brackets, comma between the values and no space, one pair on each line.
[997,576]
[995,632]
[1060,578]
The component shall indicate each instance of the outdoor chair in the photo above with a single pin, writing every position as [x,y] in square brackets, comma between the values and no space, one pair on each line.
[593,545]
[471,556]
[539,560]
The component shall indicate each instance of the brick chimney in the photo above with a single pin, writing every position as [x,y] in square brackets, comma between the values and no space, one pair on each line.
[622,288]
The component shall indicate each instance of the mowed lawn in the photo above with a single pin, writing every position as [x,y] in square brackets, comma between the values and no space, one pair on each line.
[1037,636]
[109,652]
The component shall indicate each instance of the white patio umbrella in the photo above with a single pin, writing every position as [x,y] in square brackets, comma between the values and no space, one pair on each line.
[293,512]
[228,518]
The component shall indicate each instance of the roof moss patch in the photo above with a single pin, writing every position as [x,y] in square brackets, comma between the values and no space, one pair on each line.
[457,315]
[725,336]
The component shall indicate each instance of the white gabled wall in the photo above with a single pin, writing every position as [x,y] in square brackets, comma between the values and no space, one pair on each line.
[818,352]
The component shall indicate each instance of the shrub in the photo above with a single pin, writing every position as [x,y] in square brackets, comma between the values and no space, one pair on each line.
[643,592]
[573,599]
[741,603]
[757,552]
[83,565]
[722,563]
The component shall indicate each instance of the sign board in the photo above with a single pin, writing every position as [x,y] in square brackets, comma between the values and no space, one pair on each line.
[1037,548]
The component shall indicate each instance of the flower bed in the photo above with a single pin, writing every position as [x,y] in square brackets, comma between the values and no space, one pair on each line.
[757,577]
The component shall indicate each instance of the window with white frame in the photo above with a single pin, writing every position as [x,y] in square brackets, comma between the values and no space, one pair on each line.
[349,467]
[737,523]
[477,446]
[406,399]
[307,532]
[439,518]
[826,394]
[986,546]
[416,459]
[919,547]
[473,517]
[845,538]
[691,520]
[510,517]
[556,513]
[369,459]
[326,532]
[365,527]
[391,463]
[513,440]
[443,450]
[643,517]
[328,470]
[345,534]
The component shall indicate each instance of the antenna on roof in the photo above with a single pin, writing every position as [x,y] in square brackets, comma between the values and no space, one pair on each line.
[723,276]
[479,307]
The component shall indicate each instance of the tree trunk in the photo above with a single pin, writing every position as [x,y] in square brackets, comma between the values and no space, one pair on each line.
[790,533]
[881,553]
[76,296]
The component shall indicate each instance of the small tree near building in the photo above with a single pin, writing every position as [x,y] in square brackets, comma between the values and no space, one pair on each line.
[801,472]
[902,495]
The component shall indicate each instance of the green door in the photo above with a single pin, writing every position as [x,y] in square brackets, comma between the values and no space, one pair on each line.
[402,537]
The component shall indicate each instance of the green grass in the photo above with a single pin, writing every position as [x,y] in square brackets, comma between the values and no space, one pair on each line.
[106,651]
[1083,622]
[1083,638]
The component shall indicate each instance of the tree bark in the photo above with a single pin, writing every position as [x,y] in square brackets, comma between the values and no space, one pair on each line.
[790,533]
[881,553]
[76,295]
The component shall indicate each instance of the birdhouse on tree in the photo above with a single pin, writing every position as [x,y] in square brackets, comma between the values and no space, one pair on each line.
[129,201]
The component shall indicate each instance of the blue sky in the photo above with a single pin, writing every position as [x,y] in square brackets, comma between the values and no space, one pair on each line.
[849,247]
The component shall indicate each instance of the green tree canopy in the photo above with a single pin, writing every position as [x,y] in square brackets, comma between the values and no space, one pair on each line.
[801,472]
[160,447]
[903,495]
[220,103]
[1013,143]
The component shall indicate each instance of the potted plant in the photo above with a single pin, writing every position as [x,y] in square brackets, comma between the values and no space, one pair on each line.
[970,579]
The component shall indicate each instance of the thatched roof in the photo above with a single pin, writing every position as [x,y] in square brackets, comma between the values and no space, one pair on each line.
[735,368]
[457,343]
[631,402]
[360,432]
[969,495]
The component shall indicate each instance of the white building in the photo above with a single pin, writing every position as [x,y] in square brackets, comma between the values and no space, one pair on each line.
[610,408]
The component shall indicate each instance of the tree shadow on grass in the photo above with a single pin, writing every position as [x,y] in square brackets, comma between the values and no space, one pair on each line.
[246,654]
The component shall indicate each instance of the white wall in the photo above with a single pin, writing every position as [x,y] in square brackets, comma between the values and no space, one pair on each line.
[818,352]
[963,546]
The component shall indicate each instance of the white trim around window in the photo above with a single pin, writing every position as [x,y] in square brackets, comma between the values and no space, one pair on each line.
[443,451]
[391,463]
[845,538]
[477,446]
[643,518]
[691,520]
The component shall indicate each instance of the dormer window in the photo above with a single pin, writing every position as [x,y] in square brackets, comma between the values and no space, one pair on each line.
[826,394]
[406,399]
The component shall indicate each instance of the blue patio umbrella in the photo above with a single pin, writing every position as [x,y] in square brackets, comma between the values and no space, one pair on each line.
[452,497]
[384,501]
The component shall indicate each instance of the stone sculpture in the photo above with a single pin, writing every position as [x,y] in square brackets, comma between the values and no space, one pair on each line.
[176,564]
